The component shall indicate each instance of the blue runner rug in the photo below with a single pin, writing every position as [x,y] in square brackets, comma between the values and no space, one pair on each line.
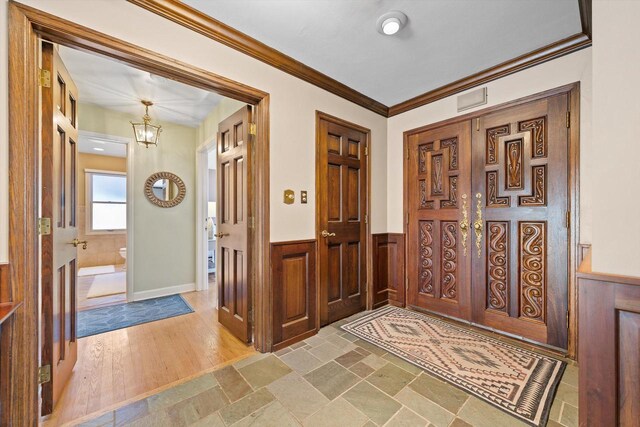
[105,319]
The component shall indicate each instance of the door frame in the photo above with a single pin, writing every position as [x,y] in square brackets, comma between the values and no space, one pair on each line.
[129,143]
[369,239]
[572,90]
[27,25]
[202,196]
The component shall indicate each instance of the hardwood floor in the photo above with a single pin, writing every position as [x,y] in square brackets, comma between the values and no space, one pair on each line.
[84,284]
[121,365]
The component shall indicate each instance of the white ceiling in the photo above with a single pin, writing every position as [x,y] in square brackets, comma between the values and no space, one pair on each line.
[101,145]
[444,40]
[116,86]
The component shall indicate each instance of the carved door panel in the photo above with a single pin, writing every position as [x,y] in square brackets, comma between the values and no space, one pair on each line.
[59,252]
[342,206]
[232,217]
[439,190]
[520,261]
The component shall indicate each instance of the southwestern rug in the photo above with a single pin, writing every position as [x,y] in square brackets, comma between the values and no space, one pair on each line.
[118,316]
[520,382]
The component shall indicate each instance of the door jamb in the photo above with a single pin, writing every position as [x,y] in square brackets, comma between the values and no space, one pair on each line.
[572,91]
[202,197]
[27,25]
[369,239]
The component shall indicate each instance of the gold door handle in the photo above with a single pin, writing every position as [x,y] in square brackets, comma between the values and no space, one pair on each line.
[464,224]
[325,233]
[76,243]
[221,235]
[478,225]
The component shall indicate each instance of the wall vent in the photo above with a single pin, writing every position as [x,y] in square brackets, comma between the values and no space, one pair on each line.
[472,99]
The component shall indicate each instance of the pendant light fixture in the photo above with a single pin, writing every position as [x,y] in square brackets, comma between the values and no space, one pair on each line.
[146,133]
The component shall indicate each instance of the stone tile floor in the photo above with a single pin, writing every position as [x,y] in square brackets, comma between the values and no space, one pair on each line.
[331,379]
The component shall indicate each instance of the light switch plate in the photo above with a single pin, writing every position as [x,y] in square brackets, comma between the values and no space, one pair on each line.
[303,196]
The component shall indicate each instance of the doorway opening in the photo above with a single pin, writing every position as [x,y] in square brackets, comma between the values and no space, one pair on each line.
[31,26]
[104,220]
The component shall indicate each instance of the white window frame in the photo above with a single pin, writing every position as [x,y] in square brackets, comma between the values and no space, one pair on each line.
[88,183]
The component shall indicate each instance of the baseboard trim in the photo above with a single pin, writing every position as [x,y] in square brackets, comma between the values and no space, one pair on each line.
[162,292]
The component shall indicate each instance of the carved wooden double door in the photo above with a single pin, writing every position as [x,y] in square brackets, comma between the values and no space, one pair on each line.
[487,231]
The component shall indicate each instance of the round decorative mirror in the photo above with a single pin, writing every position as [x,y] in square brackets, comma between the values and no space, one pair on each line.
[165,189]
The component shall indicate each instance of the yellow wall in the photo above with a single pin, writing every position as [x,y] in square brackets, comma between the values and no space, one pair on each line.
[94,161]
[102,249]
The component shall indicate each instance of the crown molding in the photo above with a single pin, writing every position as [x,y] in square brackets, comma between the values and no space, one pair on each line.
[538,56]
[199,22]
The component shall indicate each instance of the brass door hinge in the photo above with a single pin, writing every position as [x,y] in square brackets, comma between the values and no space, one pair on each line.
[252,129]
[568,119]
[406,220]
[568,219]
[478,124]
[366,219]
[44,226]
[407,153]
[44,374]
[366,150]
[44,78]
[567,319]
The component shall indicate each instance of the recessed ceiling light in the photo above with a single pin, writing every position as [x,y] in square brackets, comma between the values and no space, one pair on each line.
[98,149]
[391,22]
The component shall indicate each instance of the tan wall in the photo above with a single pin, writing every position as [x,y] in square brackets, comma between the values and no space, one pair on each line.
[102,249]
[616,110]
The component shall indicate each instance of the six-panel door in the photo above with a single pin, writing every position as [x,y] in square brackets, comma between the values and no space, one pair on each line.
[234,157]
[58,253]
[342,208]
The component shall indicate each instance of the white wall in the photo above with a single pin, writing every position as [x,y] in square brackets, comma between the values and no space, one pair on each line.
[616,113]
[164,239]
[565,70]
[292,109]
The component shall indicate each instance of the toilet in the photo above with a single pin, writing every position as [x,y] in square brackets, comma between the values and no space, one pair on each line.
[123,254]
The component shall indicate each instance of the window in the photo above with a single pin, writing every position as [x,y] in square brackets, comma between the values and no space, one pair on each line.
[106,201]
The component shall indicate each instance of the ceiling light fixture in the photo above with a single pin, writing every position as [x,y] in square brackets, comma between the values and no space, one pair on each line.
[98,149]
[391,22]
[146,133]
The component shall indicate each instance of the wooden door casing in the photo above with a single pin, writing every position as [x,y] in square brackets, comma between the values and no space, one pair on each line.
[438,194]
[520,172]
[59,197]
[233,213]
[342,206]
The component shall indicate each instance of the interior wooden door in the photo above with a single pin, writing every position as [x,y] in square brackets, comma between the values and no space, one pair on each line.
[438,205]
[59,248]
[232,217]
[341,209]
[520,207]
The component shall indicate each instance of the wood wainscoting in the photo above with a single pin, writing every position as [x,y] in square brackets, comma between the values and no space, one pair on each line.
[295,294]
[608,348]
[388,269]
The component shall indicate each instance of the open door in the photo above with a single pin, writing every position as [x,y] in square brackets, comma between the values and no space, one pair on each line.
[59,228]
[233,213]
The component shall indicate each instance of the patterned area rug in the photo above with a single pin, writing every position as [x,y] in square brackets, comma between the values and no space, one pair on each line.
[118,316]
[517,381]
